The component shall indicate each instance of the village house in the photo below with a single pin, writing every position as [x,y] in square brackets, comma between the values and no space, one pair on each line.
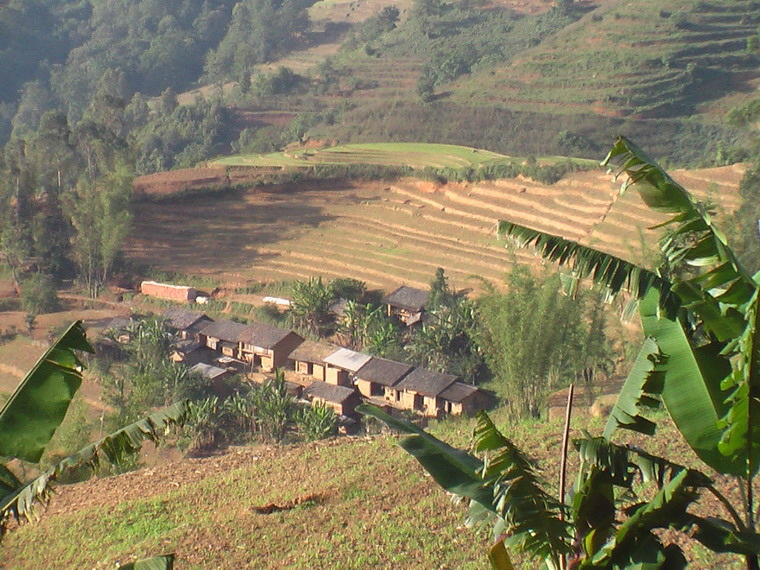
[187,324]
[377,377]
[118,329]
[267,346]
[222,336]
[309,358]
[190,352]
[215,377]
[461,398]
[407,303]
[340,398]
[169,292]
[420,391]
[342,364]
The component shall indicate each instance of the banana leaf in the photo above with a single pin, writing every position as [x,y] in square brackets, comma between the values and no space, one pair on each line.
[453,469]
[612,272]
[20,502]
[691,388]
[37,407]
[531,515]
[641,390]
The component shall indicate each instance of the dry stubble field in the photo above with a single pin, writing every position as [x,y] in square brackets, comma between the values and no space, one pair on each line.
[397,232]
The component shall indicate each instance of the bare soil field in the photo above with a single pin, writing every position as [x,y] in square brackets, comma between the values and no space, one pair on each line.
[392,233]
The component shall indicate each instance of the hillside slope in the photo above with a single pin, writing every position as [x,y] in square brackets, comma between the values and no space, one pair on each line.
[352,503]
[400,232]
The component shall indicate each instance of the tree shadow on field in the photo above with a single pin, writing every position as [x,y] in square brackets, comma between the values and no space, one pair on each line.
[226,233]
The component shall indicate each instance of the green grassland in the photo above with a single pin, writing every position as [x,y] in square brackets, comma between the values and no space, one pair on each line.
[413,155]
[416,155]
[351,503]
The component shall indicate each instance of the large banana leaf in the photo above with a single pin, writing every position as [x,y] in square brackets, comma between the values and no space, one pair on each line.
[20,502]
[37,407]
[691,389]
[453,469]
[661,193]
[612,272]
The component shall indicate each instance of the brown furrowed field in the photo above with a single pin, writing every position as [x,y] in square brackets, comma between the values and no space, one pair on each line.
[400,232]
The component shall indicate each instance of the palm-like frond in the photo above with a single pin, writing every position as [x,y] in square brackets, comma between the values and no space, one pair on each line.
[20,503]
[612,272]
[640,391]
[531,516]
[453,469]
[38,405]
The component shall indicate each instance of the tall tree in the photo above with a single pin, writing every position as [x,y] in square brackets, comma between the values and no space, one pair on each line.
[99,213]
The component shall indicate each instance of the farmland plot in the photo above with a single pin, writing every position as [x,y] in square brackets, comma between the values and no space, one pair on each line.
[400,232]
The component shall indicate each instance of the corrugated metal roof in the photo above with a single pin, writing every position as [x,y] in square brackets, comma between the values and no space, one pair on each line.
[407,298]
[347,359]
[329,392]
[458,392]
[382,371]
[426,382]
[208,371]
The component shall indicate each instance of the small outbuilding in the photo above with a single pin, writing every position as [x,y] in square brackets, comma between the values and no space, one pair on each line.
[309,358]
[420,390]
[267,346]
[377,377]
[340,398]
[215,377]
[342,364]
[407,303]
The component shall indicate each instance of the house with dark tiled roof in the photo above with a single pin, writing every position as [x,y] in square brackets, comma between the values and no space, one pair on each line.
[309,358]
[407,303]
[420,390]
[222,336]
[461,398]
[188,324]
[341,398]
[378,376]
[267,346]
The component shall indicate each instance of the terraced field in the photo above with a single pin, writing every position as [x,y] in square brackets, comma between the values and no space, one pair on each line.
[685,53]
[387,234]
[416,155]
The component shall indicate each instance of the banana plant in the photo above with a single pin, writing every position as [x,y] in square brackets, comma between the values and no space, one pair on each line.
[34,411]
[699,313]
[699,360]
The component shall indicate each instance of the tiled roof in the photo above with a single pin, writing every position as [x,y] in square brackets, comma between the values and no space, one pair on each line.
[383,371]
[311,351]
[264,336]
[329,392]
[224,330]
[458,392]
[182,319]
[407,298]
[426,382]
